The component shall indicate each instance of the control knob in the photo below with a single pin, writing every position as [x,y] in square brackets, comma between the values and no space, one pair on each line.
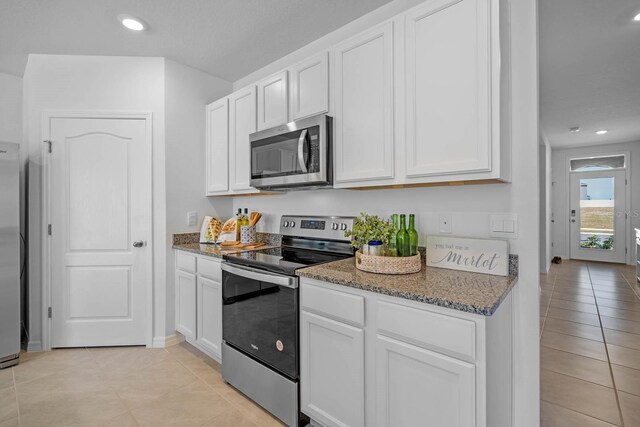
[285,224]
[334,226]
[292,223]
[343,227]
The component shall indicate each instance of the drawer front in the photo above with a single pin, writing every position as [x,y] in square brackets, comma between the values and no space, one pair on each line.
[210,268]
[431,330]
[338,305]
[186,262]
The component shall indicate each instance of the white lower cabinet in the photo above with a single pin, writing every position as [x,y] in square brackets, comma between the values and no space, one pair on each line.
[186,304]
[374,360]
[332,365]
[209,312]
[415,384]
[198,294]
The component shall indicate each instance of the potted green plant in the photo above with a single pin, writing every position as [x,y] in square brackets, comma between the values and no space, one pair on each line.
[370,234]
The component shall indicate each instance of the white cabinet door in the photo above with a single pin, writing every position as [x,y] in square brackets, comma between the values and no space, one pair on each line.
[331,371]
[273,101]
[448,74]
[415,385]
[242,123]
[217,147]
[362,93]
[186,304]
[209,310]
[309,87]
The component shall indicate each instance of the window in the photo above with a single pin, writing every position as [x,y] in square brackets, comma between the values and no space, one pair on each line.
[597,163]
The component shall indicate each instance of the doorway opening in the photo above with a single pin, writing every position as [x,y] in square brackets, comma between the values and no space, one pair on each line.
[597,208]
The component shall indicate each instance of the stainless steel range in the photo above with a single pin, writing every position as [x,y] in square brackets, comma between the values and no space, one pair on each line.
[260,310]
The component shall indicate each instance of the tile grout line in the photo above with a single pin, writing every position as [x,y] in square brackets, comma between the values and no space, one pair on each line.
[15,394]
[606,349]
[581,379]
[234,404]
[546,312]
[102,371]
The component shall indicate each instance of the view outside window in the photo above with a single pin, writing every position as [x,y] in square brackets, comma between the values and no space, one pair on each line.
[597,213]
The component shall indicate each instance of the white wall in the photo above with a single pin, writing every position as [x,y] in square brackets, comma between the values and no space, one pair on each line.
[561,191]
[469,205]
[10,108]
[187,91]
[93,83]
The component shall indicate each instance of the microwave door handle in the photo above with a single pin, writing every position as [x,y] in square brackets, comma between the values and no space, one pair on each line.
[301,159]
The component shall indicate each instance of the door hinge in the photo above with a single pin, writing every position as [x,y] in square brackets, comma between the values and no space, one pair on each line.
[49,143]
[49,229]
[49,312]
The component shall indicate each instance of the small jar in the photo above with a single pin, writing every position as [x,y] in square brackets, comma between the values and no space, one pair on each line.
[376,248]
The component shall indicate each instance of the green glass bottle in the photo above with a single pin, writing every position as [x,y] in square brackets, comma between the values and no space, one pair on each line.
[413,236]
[392,247]
[402,238]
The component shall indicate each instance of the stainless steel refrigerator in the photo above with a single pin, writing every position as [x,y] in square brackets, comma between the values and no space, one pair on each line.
[9,255]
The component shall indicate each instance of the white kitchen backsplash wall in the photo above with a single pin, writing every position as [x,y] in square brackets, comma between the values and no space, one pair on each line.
[469,206]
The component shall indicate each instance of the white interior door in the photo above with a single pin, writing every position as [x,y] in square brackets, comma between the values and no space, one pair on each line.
[100,192]
[597,215]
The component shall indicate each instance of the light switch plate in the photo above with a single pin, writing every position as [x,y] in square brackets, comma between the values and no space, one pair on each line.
[503,225]
[444,223]
[192,218]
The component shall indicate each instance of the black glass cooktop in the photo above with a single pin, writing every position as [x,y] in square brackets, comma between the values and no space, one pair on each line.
[283,260]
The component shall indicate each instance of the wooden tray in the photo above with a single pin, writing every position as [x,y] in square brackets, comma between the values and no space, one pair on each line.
[388,265]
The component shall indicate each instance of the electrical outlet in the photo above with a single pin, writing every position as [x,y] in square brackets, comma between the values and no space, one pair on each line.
[192,218]
[444,223]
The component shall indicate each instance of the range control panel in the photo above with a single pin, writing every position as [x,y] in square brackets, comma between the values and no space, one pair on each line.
[317,227]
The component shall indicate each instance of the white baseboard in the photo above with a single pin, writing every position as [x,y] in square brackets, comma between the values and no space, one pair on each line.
[168,341]
[34,346]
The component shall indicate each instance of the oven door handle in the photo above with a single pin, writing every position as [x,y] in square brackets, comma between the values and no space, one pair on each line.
[301,159]
[250,273]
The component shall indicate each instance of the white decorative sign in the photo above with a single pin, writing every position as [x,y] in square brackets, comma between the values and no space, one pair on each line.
[476,255]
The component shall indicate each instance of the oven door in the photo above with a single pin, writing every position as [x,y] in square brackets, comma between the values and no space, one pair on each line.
[292,155]
[260,316]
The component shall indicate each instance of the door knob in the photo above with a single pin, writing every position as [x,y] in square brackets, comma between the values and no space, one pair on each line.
[573,220]
[138,244]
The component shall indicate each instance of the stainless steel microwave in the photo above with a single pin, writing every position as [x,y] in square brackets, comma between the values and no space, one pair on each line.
[293,156]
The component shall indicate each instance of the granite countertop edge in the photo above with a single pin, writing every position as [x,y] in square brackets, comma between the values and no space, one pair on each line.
[440,302]
[188,247]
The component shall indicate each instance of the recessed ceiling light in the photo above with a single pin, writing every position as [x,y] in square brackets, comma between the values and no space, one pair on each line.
[575,129]
[637,17]
[601,131]
[132,23]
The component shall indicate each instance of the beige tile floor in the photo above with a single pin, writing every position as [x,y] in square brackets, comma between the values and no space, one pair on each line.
[590,345]
[123,386]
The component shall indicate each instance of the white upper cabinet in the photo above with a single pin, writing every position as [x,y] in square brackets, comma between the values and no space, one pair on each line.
[217,147]
[362,93]
[272,101]
[309,87]
[242,123]
[449,81]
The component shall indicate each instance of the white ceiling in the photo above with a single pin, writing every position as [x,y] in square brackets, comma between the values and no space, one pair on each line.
[589,71]
[226,38]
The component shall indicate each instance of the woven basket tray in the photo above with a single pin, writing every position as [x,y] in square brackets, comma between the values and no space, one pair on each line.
[388,265]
